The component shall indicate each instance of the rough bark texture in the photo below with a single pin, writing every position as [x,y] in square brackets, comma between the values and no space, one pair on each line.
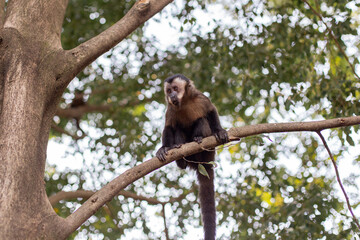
[34,72]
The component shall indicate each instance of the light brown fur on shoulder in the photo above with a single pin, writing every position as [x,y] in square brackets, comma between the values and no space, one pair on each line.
[192,109]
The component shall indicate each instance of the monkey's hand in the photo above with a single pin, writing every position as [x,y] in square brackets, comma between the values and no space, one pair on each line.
[222,136]
[161,153]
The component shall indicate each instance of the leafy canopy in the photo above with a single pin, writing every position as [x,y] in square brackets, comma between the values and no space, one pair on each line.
[259,61]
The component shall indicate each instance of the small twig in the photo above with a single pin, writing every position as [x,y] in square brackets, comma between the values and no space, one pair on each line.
[187,160]
[59,129]
[338,178]
[226,146]
[165,226]
[333,37]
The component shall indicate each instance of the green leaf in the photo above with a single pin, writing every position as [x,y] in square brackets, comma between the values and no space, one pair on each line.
[202,170]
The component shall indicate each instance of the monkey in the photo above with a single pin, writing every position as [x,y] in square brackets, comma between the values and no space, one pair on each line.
[190,116]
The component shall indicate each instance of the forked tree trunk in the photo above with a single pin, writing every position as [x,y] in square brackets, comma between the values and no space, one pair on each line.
[28,98]
[34,72]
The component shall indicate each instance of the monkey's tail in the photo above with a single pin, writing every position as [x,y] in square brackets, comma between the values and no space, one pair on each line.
[207,203]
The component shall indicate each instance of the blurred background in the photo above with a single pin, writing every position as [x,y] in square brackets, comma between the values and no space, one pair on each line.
[259,62]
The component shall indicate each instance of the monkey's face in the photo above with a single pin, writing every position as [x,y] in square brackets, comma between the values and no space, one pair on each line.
[174,91]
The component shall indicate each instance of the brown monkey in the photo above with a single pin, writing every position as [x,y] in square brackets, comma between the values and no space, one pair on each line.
[191,116]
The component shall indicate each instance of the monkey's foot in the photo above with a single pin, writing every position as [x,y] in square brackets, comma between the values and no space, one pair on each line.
[198,139]
[222,136]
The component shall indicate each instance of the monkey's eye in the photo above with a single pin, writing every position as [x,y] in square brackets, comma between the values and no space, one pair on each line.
[168,90]
[176,88]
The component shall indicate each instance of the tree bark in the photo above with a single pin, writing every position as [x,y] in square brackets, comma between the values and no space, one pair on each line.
[34,72]
[2,12]
[25,117]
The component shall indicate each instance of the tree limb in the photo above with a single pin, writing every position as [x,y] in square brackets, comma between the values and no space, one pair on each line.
[110,190]
[87,52]
[339,179]
[78,112]
[55,127]
[165,225]
[86,194]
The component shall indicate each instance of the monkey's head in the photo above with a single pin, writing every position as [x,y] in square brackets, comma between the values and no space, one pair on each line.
[176,88]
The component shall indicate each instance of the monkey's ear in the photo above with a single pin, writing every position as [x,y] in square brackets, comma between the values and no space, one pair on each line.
[191,84]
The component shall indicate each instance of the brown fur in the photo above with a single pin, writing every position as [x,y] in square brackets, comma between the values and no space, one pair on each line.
[194,105]
[191,116]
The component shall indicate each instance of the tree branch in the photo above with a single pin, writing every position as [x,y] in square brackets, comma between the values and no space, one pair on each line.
[165,225]
[87,52]
[78,112]
[338,178]
[55,127]
[110,190]
[86,194]
[333,37]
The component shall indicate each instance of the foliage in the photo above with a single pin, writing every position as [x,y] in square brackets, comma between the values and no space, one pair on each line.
[259,61]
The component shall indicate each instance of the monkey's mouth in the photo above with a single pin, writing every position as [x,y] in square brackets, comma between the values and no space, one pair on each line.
[175,102]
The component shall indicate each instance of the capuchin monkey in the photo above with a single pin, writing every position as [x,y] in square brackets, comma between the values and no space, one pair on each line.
[191,116]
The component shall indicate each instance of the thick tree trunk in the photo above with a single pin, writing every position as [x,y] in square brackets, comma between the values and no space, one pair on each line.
[27,104]
[34,72]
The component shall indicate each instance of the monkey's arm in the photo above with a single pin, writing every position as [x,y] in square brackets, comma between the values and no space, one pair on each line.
[171,138]
[214,122]
[167,141]
[201,129]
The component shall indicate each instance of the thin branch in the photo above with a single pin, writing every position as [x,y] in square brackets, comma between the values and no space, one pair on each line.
[78,112]
[333,37]
[110,190]
[55,127]
[339,179]
[165,225]
[57,197]
[87,52]
[86,194]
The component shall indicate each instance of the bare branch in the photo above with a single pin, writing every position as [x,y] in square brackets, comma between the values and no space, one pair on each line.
[55,127]
[339,179]
[333,37]
[110,190]
[78,112]
[85,194]
[165,225]
[54,199]
[84,54]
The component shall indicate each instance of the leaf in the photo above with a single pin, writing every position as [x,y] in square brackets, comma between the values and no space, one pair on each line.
[350,140]
[202,171]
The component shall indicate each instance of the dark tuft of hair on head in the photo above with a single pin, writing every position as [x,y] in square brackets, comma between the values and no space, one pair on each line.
[170,79]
